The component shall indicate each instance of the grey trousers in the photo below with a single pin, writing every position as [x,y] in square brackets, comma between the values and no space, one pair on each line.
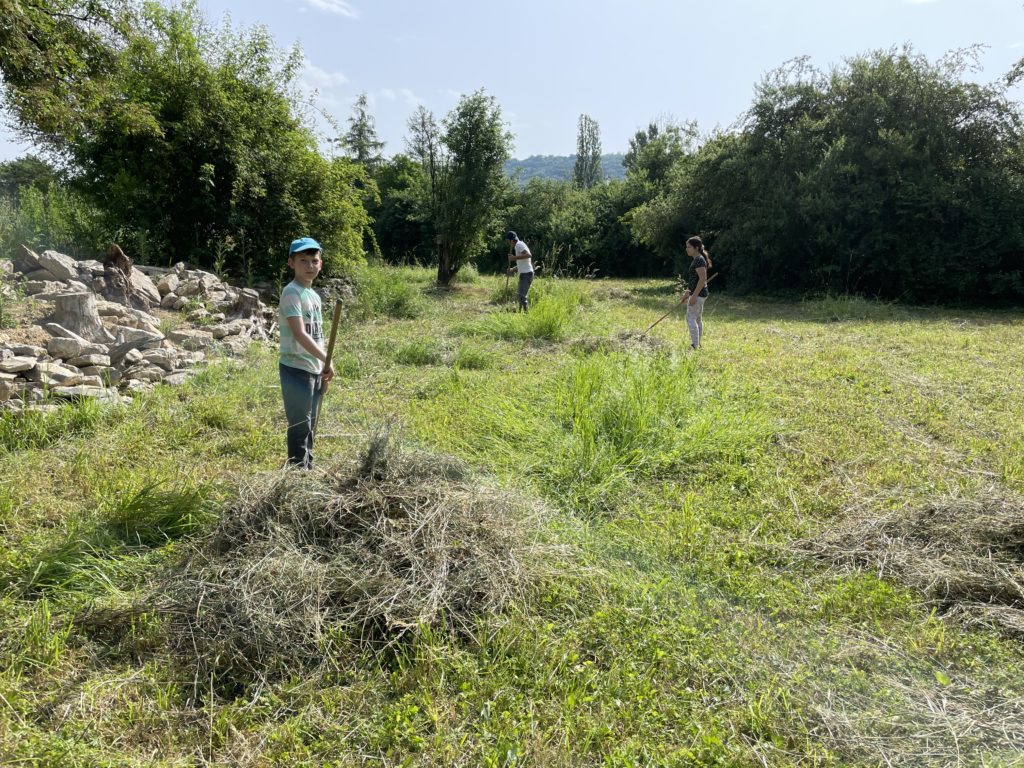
[695,319]
[525,281]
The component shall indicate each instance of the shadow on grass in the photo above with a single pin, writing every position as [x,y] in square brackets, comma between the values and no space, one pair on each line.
[659,298]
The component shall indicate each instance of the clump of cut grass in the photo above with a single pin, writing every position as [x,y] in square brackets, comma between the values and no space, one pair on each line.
[385,291]
[964,555]
[622,341]
[418,352]
[306,566]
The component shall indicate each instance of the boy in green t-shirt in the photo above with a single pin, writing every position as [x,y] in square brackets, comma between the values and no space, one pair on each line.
[302,350]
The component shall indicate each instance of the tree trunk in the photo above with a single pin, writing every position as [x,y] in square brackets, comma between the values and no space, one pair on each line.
[445,270]
[77,312]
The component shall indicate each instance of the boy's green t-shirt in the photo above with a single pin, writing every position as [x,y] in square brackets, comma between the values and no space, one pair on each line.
[299,301]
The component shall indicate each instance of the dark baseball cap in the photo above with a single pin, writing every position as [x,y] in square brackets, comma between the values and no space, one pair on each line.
[510,235]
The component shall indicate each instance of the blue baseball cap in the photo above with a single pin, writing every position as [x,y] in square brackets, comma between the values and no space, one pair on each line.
[303,244]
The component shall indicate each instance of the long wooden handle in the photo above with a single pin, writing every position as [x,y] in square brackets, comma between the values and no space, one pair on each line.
[335,322]
[674,307]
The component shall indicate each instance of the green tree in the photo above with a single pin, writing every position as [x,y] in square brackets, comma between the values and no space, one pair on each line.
[360,141]
[463,186]
[889,176]
[400,233]
[56,57]
[587,171]
[653,152]
[27,171]
[216,148]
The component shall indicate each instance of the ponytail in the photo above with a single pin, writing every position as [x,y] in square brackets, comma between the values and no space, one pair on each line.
[697,243]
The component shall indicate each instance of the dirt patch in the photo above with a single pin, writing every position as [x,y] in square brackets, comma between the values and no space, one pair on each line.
[967,556]
[23,318]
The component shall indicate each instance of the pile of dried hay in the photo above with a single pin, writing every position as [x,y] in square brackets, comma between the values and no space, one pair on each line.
[307,566]
[966,555]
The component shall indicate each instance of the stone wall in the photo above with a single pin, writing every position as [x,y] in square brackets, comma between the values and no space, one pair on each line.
[130,349]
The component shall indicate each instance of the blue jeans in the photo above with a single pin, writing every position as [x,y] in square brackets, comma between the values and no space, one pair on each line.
[525,280]
[301,391]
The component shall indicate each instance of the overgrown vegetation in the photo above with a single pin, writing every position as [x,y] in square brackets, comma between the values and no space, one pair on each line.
[849,181]
[728,515]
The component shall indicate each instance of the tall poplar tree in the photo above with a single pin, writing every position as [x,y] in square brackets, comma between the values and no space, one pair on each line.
[588,171]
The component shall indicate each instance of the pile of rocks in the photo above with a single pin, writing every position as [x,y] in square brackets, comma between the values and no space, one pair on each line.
[105,343]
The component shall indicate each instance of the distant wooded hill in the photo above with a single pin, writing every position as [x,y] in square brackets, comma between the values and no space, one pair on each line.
[560,167]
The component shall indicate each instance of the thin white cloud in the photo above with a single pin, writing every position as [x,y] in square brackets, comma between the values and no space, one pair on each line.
[389,94]
[323,84]
[339,7]
[321,79]
[410,98]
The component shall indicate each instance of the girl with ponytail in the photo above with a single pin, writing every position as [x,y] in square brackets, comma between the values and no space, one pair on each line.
[696,288]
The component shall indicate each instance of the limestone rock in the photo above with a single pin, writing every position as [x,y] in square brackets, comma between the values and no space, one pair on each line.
[128,333]
[192,340]
[26,260]
[27,350]
[89,360]
[64,347]
[54,374]
[132,356]
[63,267]
[168,284]
[162,358]
[91,266]
[81,391]
[179,377]
[168,301]
[39,287]
[142,285]
[145,372]
[232,328]
[56,329]
[17,364]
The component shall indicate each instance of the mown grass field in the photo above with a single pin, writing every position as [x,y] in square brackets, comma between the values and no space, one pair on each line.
[695,621]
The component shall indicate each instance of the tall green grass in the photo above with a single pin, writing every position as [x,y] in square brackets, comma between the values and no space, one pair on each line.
[554,305]
[627,419]
[388,292]
[30,429]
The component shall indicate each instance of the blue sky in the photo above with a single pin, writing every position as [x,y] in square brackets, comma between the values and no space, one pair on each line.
[623,62]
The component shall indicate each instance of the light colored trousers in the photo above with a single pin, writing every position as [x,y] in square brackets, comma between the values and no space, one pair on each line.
[695,320]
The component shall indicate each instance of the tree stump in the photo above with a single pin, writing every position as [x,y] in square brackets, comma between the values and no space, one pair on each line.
[77,312]
[119,282]
[248,305]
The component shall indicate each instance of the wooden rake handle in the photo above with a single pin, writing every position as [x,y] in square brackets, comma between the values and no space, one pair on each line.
[335,322]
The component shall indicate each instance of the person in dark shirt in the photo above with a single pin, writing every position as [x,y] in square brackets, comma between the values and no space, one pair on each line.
[696,288]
